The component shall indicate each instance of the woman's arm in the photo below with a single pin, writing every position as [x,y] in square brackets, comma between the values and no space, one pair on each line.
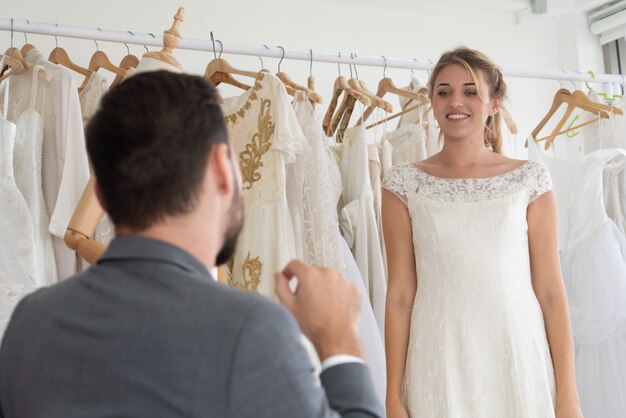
[401,288]
[548,286]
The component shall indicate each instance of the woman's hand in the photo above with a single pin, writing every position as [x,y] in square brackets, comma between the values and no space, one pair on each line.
[396,410]
[568,409]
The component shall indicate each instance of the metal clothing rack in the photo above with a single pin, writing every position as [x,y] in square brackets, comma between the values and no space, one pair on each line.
[611,82]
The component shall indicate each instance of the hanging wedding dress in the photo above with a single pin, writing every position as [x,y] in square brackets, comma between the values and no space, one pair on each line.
[265,136]
[614,185]
[27,156]
[357,219]
[318,190]
[65,168]
[593,261]
[17,246]
[478,345]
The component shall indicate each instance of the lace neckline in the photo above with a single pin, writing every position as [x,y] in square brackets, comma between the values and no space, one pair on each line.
[504,174]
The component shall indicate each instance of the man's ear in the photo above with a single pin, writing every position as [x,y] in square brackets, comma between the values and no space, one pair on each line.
[220,164]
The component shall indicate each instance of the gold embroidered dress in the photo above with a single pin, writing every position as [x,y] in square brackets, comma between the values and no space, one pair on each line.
[266,136]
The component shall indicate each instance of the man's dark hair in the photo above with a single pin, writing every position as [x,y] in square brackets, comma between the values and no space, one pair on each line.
[149,144]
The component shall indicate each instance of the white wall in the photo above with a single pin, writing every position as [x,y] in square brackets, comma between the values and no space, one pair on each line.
[396,28]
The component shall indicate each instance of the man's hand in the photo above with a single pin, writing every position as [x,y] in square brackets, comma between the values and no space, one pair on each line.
[326,307]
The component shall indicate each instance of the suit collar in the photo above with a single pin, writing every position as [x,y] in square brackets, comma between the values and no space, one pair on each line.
[147,249]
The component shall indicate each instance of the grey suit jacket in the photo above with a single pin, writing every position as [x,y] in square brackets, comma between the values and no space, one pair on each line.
[148,333]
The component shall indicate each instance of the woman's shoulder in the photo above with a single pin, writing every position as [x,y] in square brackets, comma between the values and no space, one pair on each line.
[399,179]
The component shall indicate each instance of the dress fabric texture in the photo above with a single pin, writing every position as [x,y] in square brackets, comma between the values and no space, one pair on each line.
[266,137]
[27,156]
[313,203]
[593,261]
[64,165]
[357,219]
[17,246]
[477,345]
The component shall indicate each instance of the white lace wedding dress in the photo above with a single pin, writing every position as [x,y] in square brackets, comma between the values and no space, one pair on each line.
[313,202]
[27,157]
[17,249]
[477,345]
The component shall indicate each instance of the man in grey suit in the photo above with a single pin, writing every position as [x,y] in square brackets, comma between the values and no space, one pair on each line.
[147,332]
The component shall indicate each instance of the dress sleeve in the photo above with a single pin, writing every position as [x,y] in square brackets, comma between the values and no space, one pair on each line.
[395,182]
[288,135]
[540,180]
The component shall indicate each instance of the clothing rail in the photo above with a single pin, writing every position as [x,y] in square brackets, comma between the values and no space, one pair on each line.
[52,29]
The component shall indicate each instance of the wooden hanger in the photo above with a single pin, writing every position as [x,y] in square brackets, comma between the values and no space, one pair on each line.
[220,65]
[220,71]
[577,99]
[407,109]
[288,82]
[17,55]
[100,60]
[292,86]
[341,85]
[13,64]
[27,48]
[385,86]
[376,101]
[128,62]
[59,56]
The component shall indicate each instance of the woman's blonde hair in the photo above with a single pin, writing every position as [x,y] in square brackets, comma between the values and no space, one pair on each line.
[476,61]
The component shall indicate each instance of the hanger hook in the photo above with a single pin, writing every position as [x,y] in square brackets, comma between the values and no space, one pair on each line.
[350,65]
[356,73]
[428,71]
[11,32]
[154,37]
[311,65]
[97,47]
[213,41]
[261,59]
[412,70]
[281,58]
[339,65]
[25,38]
[221,48]
[593,75]
[127,48]
[385,67]
[56,41]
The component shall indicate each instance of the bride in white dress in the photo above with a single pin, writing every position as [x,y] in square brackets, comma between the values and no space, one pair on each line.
[477,323]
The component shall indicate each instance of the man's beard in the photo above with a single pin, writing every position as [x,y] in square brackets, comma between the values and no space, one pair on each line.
[235,219]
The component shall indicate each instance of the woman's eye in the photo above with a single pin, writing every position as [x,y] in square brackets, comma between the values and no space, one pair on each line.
[471,93]
[442,93]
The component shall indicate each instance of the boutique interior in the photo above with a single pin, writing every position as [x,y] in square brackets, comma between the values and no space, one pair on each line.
[349,85]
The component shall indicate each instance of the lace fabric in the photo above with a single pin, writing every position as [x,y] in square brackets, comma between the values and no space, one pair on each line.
[17,245]
[407,179]
[266,137]
[319,188]
[27,156]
